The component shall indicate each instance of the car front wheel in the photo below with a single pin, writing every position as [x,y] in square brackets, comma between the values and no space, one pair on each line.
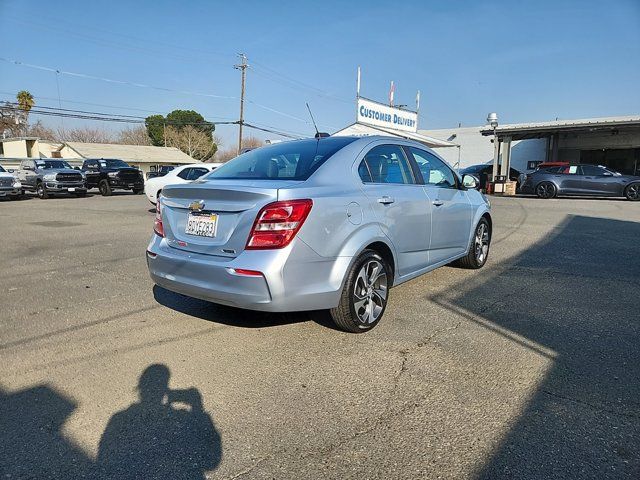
[41,191]
[105,188]
[479,248]
[365,294]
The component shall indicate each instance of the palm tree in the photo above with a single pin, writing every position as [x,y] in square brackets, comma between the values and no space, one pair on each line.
[25,100]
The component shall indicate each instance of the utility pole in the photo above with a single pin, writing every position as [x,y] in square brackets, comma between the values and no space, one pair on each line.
[243,69]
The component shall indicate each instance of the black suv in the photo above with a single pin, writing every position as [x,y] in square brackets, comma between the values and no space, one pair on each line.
[109,174]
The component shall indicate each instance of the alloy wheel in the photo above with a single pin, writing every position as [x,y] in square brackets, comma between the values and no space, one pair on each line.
[481,243]
[545,190]
[633,192]
[370,292]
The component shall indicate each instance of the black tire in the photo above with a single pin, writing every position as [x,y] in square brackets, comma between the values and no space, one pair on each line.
[360,312]
[478,252]
[105,188]
[632,192]
[546,190]
[41,191]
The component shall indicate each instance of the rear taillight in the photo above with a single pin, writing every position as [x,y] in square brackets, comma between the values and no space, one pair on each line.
[157,224]
[277,224]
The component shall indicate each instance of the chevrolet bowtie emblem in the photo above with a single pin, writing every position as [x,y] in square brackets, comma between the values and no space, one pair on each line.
[196,206]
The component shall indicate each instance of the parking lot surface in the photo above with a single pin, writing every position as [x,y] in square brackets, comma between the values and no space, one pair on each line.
[527,368]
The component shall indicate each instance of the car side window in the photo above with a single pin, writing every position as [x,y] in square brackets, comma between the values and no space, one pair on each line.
[184,174]
[197,173]
[592,170]
[434,171]
[386,164]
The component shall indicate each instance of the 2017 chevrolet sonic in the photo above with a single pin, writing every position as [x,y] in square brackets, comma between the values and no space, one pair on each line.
[327,223]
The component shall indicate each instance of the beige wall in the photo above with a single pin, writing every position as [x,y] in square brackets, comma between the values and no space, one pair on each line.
[15,148]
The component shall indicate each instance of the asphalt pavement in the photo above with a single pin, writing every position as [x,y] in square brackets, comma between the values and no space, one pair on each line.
[527,368]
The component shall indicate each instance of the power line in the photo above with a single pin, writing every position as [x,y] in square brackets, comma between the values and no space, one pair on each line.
[111,80]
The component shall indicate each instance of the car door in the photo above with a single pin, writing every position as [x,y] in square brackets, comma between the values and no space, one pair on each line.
[30,174]
[399,204]
[597,180]
[92,173]
[451,214]
[570,180]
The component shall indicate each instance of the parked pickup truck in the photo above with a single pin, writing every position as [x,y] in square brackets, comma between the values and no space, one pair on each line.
[111,174]
[49,176]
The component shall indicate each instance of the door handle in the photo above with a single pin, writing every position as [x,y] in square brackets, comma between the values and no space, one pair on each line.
[385,200]
[437,203]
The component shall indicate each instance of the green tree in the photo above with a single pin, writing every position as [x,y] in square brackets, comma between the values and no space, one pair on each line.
[180,128]
[155,129]
[181,118]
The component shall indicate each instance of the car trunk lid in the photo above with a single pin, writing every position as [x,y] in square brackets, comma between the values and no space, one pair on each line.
[234,203]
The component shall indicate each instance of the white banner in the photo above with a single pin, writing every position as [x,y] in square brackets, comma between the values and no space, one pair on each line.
[379,115]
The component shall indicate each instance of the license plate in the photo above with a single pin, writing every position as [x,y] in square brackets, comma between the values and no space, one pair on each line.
[72,189]
[202,224]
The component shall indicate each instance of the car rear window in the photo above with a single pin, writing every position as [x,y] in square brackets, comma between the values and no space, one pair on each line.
[294,160]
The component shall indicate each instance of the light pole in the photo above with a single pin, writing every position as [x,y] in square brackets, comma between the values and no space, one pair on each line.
[492,120]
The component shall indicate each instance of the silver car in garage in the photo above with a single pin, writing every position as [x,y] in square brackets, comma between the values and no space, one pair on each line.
[327,223]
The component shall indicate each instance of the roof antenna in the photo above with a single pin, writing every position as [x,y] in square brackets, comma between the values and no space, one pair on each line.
[318,134]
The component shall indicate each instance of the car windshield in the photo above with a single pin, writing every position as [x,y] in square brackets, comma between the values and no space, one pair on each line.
[295,160]
[113,164]
[48,164]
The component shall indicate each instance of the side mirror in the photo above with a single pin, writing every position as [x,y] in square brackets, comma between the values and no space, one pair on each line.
[470,181]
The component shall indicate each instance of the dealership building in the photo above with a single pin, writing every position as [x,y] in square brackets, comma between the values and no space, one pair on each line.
[613,142]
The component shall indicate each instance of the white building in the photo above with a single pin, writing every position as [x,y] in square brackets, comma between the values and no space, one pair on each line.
[608,141]
[146,158]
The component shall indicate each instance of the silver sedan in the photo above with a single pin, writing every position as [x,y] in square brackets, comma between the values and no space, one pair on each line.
[329,223]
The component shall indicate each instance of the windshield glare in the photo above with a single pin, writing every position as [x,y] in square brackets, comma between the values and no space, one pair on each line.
[294,160]
[50,164]
[113,164]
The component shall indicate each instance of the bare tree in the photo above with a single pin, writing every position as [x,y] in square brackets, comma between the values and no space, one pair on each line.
[134,136]
[252,142]
[226,154]
[39,130]
[191,141]
[86,134]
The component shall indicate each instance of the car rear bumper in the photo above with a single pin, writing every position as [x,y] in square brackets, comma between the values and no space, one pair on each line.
[293,279]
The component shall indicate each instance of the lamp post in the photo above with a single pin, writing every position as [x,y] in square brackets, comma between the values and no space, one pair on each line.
[492,120]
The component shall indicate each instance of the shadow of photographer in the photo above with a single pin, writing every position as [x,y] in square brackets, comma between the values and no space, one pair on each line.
[166,434]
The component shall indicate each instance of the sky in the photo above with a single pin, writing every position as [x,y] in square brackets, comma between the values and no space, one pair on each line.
[527,61]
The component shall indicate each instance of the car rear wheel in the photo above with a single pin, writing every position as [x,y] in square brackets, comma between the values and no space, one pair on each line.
[365,294]
[546,190]
[479,248]
[41,191]
[632,192]
[105,188]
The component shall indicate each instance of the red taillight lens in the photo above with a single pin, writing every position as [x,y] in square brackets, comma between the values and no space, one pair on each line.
[277,224]
[157,224]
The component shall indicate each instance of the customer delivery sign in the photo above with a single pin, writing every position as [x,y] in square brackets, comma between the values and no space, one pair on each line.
[380,115]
